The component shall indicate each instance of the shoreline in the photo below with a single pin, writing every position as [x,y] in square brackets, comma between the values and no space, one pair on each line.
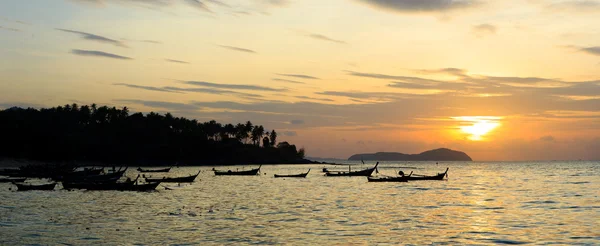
[11,162]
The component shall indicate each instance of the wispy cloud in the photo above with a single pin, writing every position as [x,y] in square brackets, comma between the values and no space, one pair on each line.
[94,37]
[577,5]
[10,29]
[314,98]
[591,50]
[173,89]
[324,38]
[219,3]
[237,49]
[15,21]
[449,70]
[154,4]
[177,61]
[279,3]
[198,5]
[483,30]
[408,79]
[143,87]
[297,122]
[301,76]
[160,104]
[288,81]
[232,86]
[99,54]
[416,6]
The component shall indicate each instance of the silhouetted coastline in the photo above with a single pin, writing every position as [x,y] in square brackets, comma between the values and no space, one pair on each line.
[110,136]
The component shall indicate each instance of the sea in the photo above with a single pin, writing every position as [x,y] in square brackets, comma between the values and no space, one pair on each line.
[480,203]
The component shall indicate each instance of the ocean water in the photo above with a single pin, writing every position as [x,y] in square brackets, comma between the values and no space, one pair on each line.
[480,203]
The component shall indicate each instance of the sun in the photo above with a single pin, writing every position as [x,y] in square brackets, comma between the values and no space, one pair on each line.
[476,127]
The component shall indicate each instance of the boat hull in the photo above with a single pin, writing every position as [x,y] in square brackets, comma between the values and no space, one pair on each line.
[238,173]
[387,179]
[165,170]
[188,179]
[365,173]
[439,176]
[27,187]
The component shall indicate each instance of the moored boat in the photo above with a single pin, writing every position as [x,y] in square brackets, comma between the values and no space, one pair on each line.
[439,176]
[365,172]
[389,178]
[238,173]
[187,179]
[301,175]
[27,187]
[164,170]
[100,178]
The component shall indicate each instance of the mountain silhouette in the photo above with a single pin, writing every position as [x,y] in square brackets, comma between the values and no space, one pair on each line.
[441,154]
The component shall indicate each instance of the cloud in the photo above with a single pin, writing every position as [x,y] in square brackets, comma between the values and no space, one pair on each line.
[164,105]
[154,4]
[288,81]
[279,3]
[219,3]
[237,49]
[289,133]
[314,98]
[151,41]
[483,30]
[401,79]
[10,29]
[177,61]
[144,41]
[99,54]
[417,6]
[232,86]
[143,87]
[324,38]
[213,91]
[547,138]
[296,122]
[576,5]
[449,70]
[301,76]
[198,5]
[94,37]
[173,89]
[591,50]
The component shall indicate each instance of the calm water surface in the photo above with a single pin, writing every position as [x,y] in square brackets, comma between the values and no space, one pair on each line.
[480,203]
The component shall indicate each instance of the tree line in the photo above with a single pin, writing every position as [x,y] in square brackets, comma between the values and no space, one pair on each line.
[113,135]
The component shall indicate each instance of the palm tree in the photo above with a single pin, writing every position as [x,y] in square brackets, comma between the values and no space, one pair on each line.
[273,138]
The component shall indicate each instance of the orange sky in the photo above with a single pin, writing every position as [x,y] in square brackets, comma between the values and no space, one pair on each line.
[337,77]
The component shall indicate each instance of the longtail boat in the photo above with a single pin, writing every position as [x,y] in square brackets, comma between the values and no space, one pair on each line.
[187,179]
[26,187]
[12,180]
[164,170]
[365,172]
[101,178]
[97,185]
[126,187]
[439,176]
[238,173]
[389,178]
[302,175]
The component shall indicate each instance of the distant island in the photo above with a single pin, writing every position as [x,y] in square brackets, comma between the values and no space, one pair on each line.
[442,154]
[112,136]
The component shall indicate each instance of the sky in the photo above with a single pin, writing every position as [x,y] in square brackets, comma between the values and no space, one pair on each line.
[510,80]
